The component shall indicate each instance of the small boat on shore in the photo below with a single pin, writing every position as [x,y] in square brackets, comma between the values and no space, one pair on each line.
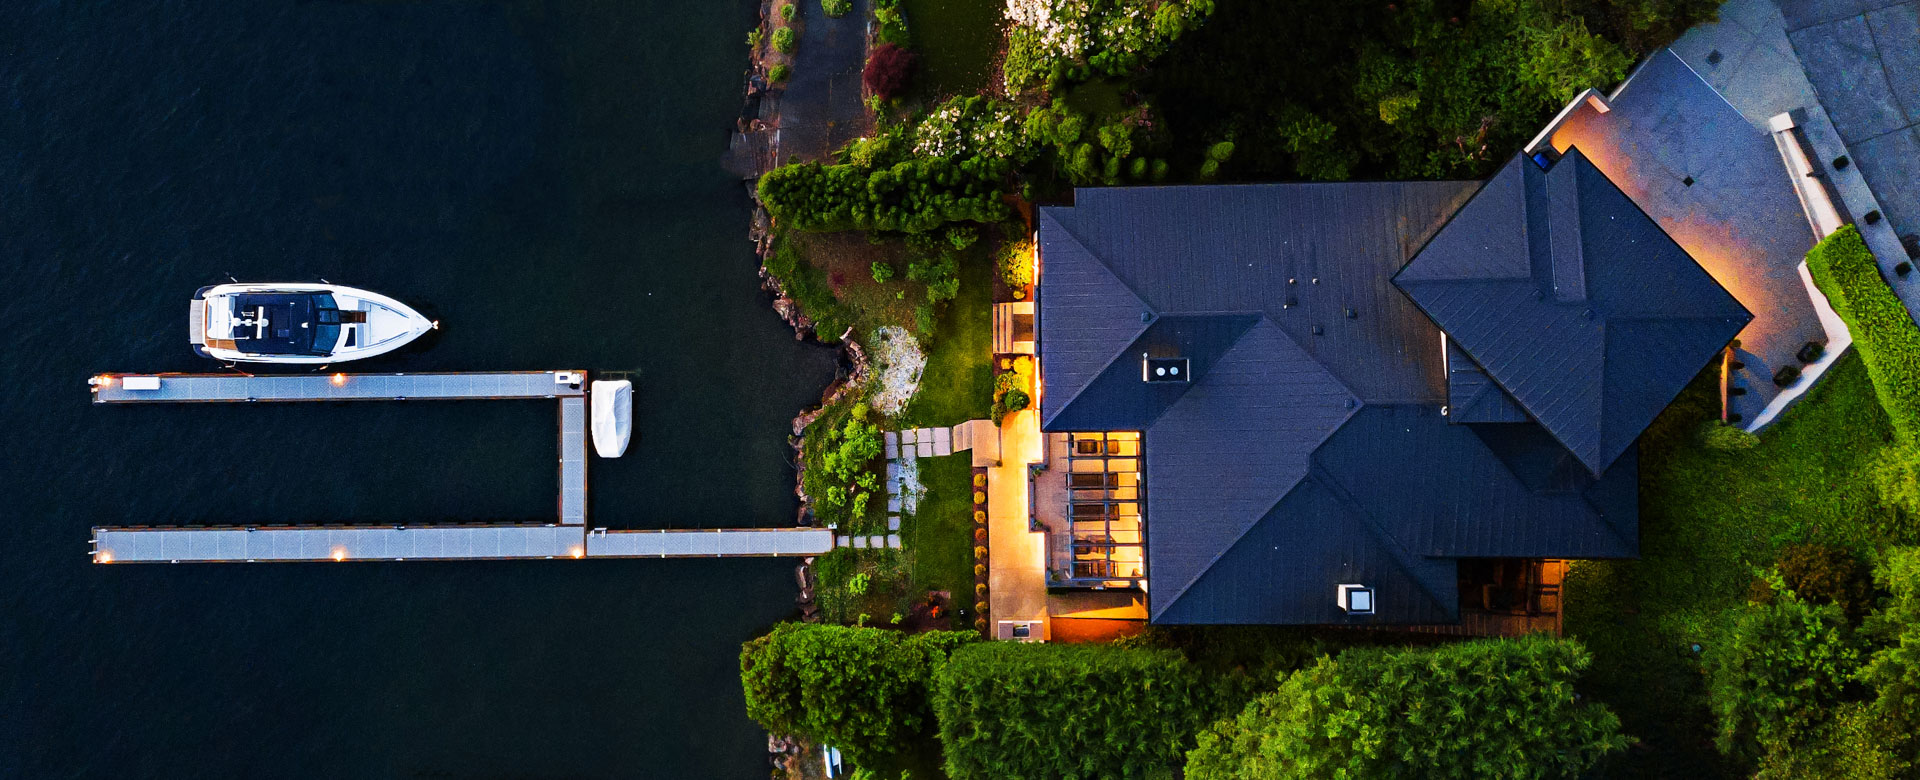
[299,323]
[612,418]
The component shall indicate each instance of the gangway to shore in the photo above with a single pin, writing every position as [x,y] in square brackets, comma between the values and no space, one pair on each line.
[569,538]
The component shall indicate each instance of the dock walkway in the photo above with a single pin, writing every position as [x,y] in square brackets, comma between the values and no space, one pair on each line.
[569,538]
[261,544]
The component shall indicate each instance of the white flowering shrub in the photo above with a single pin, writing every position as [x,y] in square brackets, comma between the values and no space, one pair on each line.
[1051,40]
[975,126]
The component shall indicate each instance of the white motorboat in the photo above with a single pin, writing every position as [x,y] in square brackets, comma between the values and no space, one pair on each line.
[612,418]
[299,323]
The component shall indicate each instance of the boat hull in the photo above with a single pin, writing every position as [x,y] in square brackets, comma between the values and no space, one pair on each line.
[355,324]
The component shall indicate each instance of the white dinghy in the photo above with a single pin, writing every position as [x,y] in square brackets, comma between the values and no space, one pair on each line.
[612,419]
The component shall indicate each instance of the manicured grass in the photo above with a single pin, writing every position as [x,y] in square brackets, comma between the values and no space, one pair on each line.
[957,41]
[1882,329]
[957,384]
[1708,520]
[939,536]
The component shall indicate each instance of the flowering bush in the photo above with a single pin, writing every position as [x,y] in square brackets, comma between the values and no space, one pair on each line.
[972,127]
[1052,40]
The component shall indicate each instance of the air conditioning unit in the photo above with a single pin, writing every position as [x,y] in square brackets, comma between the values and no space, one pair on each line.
[1356,599]
[1022,631]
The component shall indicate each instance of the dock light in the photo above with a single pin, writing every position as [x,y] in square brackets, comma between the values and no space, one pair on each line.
[339,553]
[579,552]
[339,379]
[105,556]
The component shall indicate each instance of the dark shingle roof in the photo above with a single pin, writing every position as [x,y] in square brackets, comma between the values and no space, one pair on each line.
[1309,448]
[1574,302]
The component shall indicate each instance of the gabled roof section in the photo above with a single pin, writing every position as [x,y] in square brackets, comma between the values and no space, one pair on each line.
[1090,316]
[1314,258]
[1472,396]
[1224,453]
[1119,399]
[1574,302]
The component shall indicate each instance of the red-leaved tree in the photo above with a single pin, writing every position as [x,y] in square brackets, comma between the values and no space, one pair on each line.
[889,69]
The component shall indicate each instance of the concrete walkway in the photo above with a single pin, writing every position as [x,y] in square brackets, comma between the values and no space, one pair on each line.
[1017,567]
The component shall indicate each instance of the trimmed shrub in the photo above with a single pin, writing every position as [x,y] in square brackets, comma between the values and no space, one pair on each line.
[1491,708]
[1069,711]
[882,271]
[788,11]
[913,196]
[836,8]
[1888,341]
[784,40]
[779,73]
[1717,435]
[889,70]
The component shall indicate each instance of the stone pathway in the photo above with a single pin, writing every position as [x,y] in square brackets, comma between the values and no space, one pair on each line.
[904,449]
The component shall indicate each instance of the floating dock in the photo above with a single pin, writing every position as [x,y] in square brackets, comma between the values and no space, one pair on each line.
[569,538]
[263,544]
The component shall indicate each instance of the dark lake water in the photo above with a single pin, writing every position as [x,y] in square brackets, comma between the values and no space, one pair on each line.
[543,178]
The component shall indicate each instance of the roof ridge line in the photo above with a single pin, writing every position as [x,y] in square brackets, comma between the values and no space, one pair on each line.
[1394,547]
[1135,336]
[1531,412]
[1358,404]
[1078,239]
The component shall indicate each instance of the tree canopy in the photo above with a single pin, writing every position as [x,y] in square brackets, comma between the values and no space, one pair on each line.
[1071,712]
[863,690]
[1493,708]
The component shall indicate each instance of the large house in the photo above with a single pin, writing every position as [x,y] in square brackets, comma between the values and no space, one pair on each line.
[1345,403]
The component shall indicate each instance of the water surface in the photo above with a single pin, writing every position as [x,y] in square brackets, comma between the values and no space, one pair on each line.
[542,177]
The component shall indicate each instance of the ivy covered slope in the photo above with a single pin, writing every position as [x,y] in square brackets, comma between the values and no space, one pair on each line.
[1497,708]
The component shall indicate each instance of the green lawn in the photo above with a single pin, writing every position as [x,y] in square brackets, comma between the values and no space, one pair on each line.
[1708,520]
[957,41]
[939,536]
[957,385]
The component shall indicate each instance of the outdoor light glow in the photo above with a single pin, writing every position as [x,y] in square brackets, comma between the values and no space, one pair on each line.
[339,553]
[104,557]
[339,379]
[106,381]
[579,552]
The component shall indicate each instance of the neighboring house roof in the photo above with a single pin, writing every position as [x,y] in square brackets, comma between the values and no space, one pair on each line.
[1309,447]
[1574,302]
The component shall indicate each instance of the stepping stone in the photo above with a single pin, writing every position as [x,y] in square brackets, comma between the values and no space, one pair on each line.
[893,522]
[860,543]
[840,541]
[909,436]
[926,448]
[893,445]
[893,540]
[893,501]
[942,441]
[877,542]
[893,475]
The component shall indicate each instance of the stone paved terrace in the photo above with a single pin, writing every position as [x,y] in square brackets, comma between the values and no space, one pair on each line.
[1849,72]
[1739,217]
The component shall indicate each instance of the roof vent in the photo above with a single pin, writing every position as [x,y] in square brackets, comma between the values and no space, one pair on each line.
[1153,369]
[1356,599]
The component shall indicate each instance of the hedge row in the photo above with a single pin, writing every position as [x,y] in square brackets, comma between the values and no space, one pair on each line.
[1882,329]
[913,196]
